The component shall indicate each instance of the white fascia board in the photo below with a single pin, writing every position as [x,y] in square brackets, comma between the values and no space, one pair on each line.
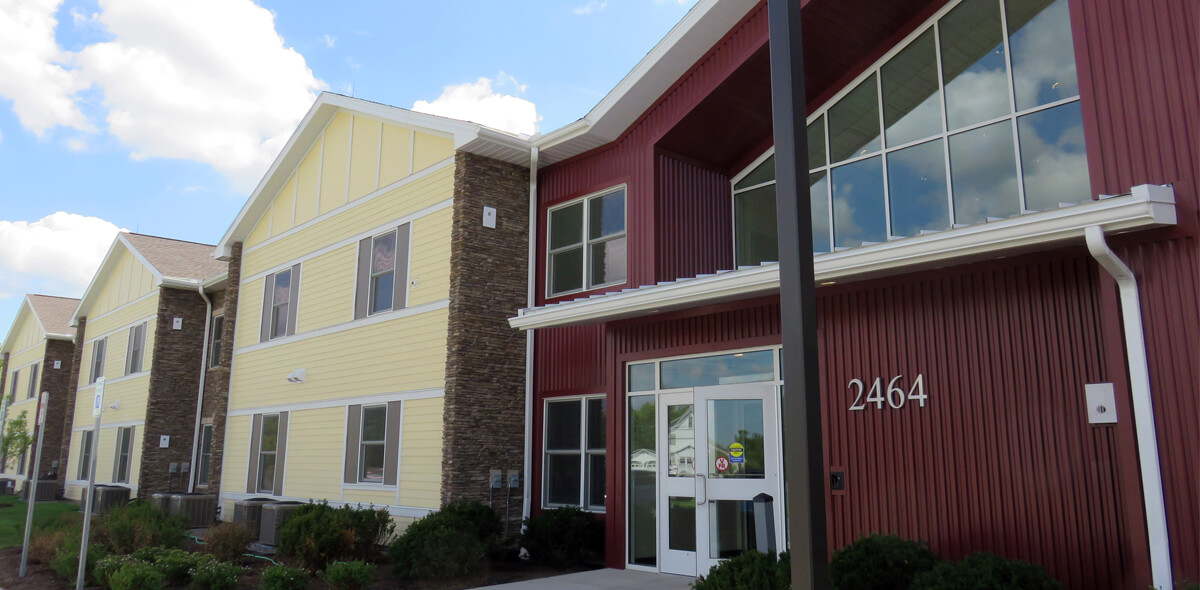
[1147,207]
[180,283]
[105,268]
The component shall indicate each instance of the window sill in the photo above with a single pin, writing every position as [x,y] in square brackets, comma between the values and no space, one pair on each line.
[550,296]
[585,509]
[375,487]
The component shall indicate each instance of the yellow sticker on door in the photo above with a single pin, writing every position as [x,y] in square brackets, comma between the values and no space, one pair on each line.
[737,453]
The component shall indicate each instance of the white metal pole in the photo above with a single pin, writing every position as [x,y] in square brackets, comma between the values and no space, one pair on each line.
[97,409]
[40,425]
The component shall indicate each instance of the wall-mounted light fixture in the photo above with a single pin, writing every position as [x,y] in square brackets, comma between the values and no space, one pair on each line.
[297,376]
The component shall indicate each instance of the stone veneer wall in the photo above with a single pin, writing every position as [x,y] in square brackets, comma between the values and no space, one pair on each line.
[484,418]
[216,384]
[68,418]
[58,383]
[174,385]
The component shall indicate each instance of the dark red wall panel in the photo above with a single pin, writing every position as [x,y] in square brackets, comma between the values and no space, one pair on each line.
[694,219]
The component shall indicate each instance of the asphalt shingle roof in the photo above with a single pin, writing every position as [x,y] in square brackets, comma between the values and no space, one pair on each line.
[176,258]
[55,312]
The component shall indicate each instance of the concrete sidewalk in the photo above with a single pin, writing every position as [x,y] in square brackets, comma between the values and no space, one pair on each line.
[605,579]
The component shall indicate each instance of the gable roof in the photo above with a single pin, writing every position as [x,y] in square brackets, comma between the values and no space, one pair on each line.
[469,137]
[52,314]
[174,263]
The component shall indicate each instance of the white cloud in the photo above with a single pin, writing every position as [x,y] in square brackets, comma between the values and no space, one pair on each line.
[591,6]
[77,144]
[479,102]
[329,40]
[57,254]
[31,72]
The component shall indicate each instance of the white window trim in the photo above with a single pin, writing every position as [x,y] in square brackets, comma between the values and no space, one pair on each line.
[273,306]
[138,334]
[583,452]
[362,422]
[93,366]
[587,242]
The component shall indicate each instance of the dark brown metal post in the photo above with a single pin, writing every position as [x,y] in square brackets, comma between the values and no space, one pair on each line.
[804,470]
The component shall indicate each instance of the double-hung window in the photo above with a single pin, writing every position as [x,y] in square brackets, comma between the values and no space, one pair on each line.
[268,446]
[124,454]
[85,453]
[203,469]
[574,461]
[33,382]
[281,291]
[12,389]
[587,243]
[373,444]
[137,349]
[97,369]
[214,347]
[381,284]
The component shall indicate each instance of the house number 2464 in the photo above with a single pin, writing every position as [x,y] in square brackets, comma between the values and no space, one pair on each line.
[894,396]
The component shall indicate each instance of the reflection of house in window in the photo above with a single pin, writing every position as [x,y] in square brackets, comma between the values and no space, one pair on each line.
[681,441]
[643,460]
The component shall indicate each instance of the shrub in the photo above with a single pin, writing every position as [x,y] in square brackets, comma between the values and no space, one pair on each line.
[880,562]
[986,570]
[108,566]
[751,569]
[213,575]
[317,534]
[371,528]
[139,524]
[66,559]
[176,565]
[43,545]
[136,575]
[282,577]
[228,541]
[562,536]
[349,575]
[448,543]
[150,554]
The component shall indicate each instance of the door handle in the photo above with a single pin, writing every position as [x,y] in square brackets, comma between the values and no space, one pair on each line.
[703,487]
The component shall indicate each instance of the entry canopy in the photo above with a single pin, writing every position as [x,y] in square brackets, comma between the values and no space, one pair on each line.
[1145,207]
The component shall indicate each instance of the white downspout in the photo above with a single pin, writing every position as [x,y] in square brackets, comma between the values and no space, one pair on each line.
[1143,407]
[526,500]
[200,394]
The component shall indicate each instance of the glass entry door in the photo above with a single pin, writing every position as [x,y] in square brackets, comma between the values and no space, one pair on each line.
[719,449]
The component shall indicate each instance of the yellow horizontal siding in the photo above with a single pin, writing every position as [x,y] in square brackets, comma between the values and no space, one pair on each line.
[313,465]
[29,408]
[327,289]
[73,492]
[250,302]
[430,149]
[235,461]
[430,258]
[22,363]
[116,353]
[404,354]
[120,319]
[372,497]
[364,157]
[410,198]
[132,395]
[421,454]
[395,154]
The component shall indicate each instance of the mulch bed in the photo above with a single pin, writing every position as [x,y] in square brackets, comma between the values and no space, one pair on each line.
[42,577]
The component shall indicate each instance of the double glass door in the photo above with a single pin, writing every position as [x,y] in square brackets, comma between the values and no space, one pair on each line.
[718,452]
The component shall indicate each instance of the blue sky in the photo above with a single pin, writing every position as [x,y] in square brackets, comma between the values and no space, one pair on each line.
[159,116]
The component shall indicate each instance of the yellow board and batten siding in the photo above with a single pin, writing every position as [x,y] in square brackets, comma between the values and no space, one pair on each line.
[126,297]
[360,175]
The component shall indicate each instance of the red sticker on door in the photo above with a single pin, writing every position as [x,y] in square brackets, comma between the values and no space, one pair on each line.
[722,464]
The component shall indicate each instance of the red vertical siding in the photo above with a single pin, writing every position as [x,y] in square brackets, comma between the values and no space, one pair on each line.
[694,219]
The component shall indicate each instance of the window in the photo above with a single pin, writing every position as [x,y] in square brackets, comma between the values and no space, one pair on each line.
[97,359]
[574,465]
[280,292]
[202,470]
[31,391]
[214,347]
[137,348]
[12,388]
[975,118]
[382,281]
[587,243]
[85,453]
[373,444]
[124,454]
[268,447]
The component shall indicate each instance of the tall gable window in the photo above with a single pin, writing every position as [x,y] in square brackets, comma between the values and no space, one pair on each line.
[137,349]
[97,369]
[974,118]
[587,243]
[280,292]
[382,279]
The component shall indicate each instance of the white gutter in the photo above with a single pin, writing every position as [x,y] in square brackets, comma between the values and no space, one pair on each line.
[200,393]
[526,501]
[1143,407]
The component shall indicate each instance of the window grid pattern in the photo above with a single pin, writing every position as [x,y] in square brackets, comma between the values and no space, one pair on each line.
[202,474]
[85,453]
[214,348]
[383,272]
[33,382]
[372,444]
[596,234]
[124,449]
[589,449]
[281,303]
[268,448]
[97,370]
[137,345]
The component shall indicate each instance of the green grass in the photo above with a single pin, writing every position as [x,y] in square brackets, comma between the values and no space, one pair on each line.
[12,518]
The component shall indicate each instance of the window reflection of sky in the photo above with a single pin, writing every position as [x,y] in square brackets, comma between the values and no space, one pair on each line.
[1053,157]
[973,63]
[917,189]
[858,204]
[1042,56]
[718,370]
[983,171]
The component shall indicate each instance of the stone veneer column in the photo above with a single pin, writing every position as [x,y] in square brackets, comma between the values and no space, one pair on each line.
[58,383]
[174,385]
[484,418]
[216,384]
[68,417]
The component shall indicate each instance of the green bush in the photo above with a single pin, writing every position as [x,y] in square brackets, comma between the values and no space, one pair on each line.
[136,575]
[448,543]
[1187,585]
[213,575]
[349,575]
[282,577]
[317,534]
[752,569]
[150,554]
[66,560]
[137,525]
[228,541]
[176,565]
[108,566]
[880,562]
[988,571]
[562,536]
[371,528]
